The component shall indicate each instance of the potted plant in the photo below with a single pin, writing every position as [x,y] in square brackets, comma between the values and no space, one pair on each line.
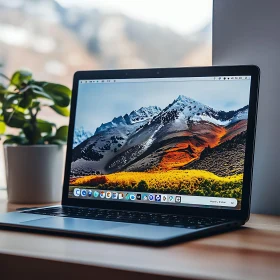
[34,155]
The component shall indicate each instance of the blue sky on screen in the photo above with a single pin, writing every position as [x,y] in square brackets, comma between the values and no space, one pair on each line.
[100,103]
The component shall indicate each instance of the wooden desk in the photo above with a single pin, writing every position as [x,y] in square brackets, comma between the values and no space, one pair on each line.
[252,252]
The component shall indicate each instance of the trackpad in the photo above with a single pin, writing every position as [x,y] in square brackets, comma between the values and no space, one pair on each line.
[71,224]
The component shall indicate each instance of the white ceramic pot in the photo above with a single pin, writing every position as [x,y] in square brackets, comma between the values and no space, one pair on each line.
[34,173]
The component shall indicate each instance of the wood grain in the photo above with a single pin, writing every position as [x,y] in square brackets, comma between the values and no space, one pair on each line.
[252,252]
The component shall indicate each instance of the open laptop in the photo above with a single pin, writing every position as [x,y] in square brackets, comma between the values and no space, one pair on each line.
[155,155]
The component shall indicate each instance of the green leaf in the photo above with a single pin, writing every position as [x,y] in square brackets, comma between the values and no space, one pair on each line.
[25,102]
[2,125]
[19,109]
[9,103]
[20,77]
[45,127]
[15,139]
[64,111]
[40,84]
[3,92]
[59,93]
[62,133]
[9,100]
[42,94]
[14,119]
[35,104]
[35,87]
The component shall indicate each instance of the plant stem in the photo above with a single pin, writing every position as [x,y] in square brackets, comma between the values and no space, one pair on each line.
[34,126]
[4,76]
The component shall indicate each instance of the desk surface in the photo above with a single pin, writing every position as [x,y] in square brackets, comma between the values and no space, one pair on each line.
[252,252]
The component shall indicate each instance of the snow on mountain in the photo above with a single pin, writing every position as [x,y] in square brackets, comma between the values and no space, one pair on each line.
[144,114]
[80,135]
[240,115]
[211,120]
[182,101]
[191,110]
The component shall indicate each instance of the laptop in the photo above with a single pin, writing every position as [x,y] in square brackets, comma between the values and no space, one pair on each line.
[155,156]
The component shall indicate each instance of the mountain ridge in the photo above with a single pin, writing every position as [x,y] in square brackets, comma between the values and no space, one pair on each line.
[150,138]
[140,115]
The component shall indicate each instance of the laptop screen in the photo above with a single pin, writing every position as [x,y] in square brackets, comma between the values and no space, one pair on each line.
[179,141]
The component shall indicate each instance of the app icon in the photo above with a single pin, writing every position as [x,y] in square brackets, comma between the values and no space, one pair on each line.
[157,197]
[171,198]
[144,196]
[127,196]
[96,194]
[151,197]
[164,198]
[102,194]
[77,192]
[108,194]
[115,195]
[138,196]
[178,199]
[121,195]
[84,192]
[89,193]
[132,196]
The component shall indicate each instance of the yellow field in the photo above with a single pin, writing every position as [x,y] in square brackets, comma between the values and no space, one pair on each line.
[193,182]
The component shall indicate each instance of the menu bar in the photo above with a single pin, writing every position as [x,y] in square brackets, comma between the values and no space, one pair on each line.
[181,79]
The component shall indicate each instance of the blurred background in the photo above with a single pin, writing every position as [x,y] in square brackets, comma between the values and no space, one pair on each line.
[55,38]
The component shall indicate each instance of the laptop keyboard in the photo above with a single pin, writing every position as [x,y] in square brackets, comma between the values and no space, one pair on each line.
[157,219]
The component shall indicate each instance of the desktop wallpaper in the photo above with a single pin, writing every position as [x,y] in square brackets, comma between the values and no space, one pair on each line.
[161,137]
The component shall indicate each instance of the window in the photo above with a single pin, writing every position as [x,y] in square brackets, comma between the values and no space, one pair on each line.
[55,38]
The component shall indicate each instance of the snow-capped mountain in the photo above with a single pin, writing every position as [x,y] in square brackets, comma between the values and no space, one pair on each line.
[188,109]
[151,137]
[109,138]
[80,135]
[143,115]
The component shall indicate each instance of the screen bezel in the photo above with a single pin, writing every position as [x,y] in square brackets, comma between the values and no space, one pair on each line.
[248,70]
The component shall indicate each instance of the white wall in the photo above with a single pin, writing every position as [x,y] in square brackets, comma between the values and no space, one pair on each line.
[248,32]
